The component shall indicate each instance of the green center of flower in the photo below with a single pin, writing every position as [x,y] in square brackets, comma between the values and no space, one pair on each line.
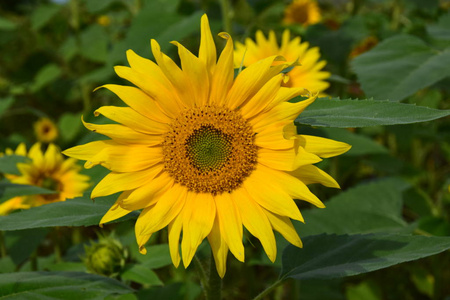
[208,148]
[50,184]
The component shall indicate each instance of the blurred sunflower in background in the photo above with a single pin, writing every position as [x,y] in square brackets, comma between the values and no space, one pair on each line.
[304,12]
[45,130]
[48,170]
[205,153]
[308,74]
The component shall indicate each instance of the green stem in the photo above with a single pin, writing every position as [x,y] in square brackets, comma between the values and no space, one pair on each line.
[2,245]
[201,273]
[268,290]
[226,16]
[214,290]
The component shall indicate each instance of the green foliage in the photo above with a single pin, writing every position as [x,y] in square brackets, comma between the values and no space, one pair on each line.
[58,285]
[400,66]
[329,256]
[361,113]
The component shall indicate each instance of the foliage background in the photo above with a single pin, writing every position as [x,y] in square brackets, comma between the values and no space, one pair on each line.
[394,180]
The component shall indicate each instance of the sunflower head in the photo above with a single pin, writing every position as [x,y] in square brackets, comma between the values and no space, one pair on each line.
[45,130]
[304,12]
[206,154]
[307,74]
[48,170]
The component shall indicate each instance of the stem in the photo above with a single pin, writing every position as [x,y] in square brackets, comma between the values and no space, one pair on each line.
[201,273]
[214,289]
[226,16]
[2,245]
[268,290]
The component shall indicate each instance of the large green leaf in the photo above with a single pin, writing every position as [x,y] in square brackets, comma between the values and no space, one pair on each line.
[361,113]
[400,66]
[369,207]
[11,190]
[43,14]
[75,212]
[8,163]
[58,285]
[331,256]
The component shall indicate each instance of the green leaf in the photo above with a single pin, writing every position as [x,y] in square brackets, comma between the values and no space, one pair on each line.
[157,257]
[441,30]
[140,274]
[58,285]
[94,44]
[70,124]
[72,212]
[332,256]
[11,190]
[325,112]
[376,206]
[8,163]
[6,103]
[7,25]
[400,66]
[42,15]
[22,243]
[46,75]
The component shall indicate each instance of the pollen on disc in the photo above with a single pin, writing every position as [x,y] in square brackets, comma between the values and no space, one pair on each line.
[210,150]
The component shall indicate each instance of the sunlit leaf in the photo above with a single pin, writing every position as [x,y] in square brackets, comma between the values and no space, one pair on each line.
[140,274]
[400,66]
[326,112]
[58,285]
[331,256]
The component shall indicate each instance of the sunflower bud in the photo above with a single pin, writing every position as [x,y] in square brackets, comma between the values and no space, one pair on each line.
[105,257]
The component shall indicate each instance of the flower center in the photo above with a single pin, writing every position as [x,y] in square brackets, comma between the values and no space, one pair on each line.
[210,150]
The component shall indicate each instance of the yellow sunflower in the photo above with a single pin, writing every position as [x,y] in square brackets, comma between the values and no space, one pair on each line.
[45,130]
[308,74]
[204,153]
[48,170]
[305,12]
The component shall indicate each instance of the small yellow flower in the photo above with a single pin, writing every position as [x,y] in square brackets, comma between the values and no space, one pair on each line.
[45,130]
[308,74]
[104,20]
[206,154]
[305,12]
[364,46]
[48,170]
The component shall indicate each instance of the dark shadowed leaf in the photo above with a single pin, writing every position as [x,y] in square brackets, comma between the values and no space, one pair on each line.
[331,256]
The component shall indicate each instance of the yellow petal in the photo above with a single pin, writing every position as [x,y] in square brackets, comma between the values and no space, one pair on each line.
[260,185]
[272,137]
[291,185]
[250,81]
[223,75]
[165,210]
[284,226]
[312,174]
[89,150]
[196,78]
[115,212]
[163,95]
[139,101]
[321,146]
[198,218]
[116,182]
[141,239]
[124,135]
[262,98]
[174,239]
[36,155]
[149,193]
[286,159]
[130,118]
[255,220]
[207,51]
[230,224]
[219,248]
[126,158]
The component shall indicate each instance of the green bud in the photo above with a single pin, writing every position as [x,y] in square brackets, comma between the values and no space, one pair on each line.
[106,257]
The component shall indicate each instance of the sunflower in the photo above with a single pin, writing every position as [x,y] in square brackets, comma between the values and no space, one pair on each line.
[48,170]
[204,153]
[305,12]
[308,74]
[45,130]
